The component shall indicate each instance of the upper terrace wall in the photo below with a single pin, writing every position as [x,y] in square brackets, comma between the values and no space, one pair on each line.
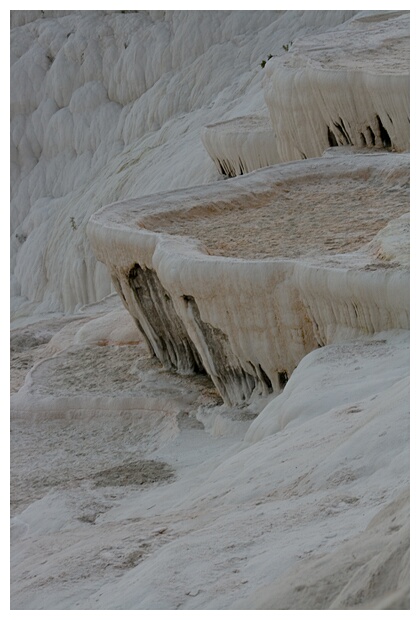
[351,87]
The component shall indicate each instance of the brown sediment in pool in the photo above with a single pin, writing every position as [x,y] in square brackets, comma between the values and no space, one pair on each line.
[325,216]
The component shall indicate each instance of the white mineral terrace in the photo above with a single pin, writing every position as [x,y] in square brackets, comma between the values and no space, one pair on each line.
[348,88]
[249,322]
[241,144]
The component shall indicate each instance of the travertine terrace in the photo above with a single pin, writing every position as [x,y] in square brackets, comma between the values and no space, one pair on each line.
[201,310]
[349,88]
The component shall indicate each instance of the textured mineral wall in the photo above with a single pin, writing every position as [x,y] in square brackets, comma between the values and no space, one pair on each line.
[110,105]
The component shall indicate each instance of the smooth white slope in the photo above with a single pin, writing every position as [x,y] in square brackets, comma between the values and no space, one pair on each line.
[291,496]
[285,511]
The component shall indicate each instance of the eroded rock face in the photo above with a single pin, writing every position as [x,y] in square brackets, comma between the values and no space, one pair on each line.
[249,322]
[160,324]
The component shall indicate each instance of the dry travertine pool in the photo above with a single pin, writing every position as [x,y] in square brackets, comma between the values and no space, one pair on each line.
[333,216]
